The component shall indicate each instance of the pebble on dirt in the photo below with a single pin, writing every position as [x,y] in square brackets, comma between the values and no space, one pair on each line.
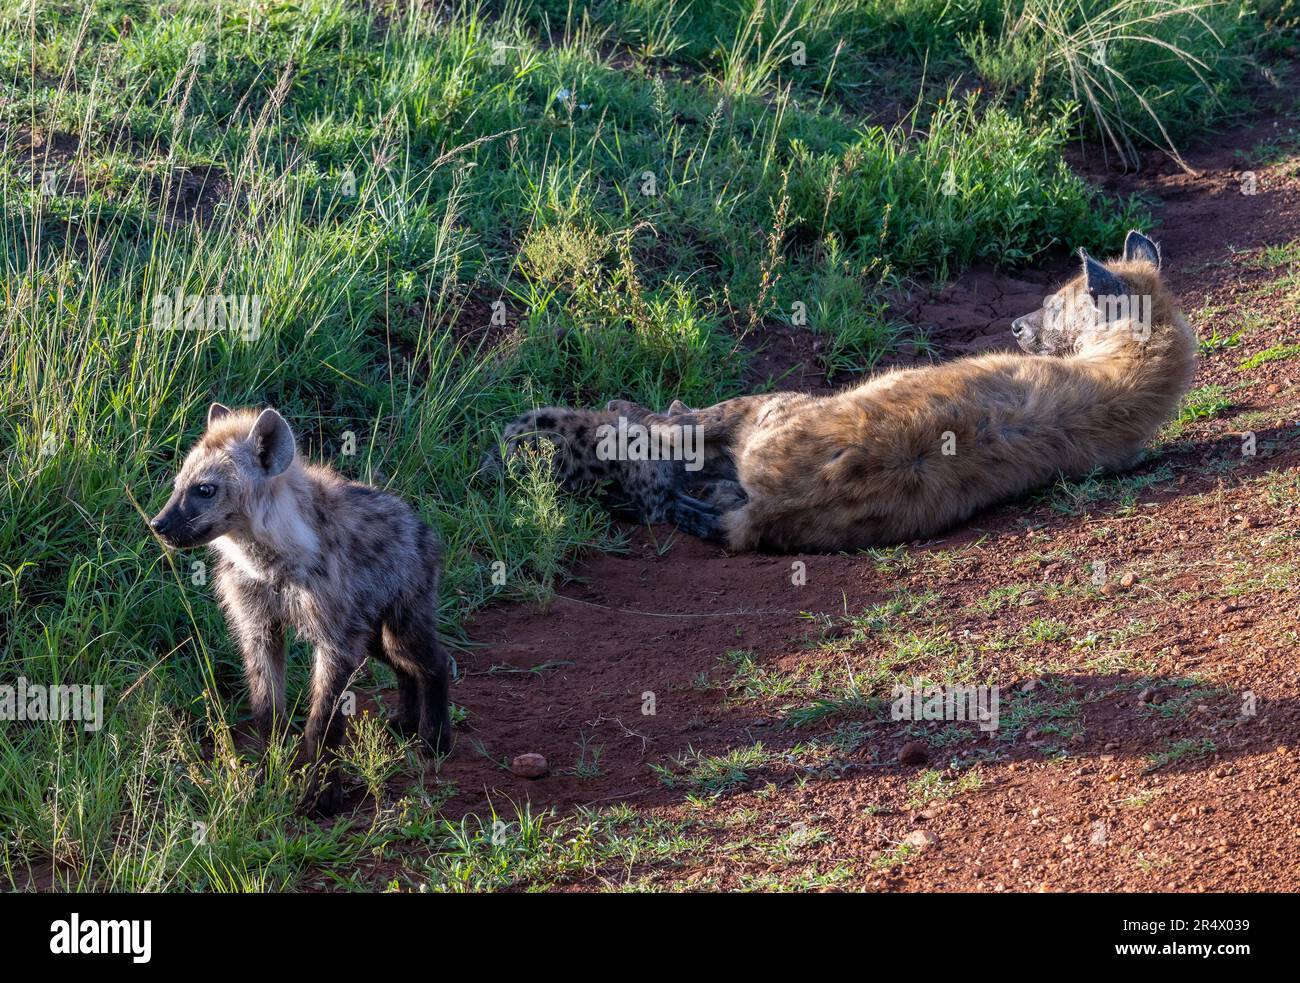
[530,765]
[914,753]
[922,839]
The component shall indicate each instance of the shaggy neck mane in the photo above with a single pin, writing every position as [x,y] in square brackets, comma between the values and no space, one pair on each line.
[279,539]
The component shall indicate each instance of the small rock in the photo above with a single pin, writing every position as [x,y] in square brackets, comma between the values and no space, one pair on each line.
[922,839]
[1109,589]
[914,753]
[530,765]
[1128,580]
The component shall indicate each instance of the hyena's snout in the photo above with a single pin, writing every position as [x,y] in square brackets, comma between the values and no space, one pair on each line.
[169,526]
[1027,330]
[178,527]
[1020,328]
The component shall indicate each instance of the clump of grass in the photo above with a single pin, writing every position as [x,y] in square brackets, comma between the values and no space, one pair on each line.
[1187,749]
[703,774]
[1147,72]
[1075,497]
[1274,353]
[373,754]
[931,785]
[1203,403]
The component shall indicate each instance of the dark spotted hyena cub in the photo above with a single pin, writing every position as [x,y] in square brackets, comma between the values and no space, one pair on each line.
[349,567]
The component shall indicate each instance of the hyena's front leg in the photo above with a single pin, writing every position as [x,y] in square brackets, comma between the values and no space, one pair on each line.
[261,640]
[334,667]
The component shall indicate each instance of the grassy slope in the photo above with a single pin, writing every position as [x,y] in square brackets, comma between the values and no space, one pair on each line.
[381,177]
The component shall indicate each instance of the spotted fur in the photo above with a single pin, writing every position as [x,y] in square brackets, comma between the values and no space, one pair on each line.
[909,453]
[347,566]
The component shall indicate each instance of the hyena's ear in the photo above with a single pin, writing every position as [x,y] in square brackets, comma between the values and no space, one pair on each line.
[1139,247]
[216,411]
[272,442]
[1101,281]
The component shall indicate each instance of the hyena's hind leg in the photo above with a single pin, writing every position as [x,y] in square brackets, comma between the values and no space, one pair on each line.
[336,663]
[411,647]
[406,718]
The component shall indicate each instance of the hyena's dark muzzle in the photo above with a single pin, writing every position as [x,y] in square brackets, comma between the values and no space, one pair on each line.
[180,525]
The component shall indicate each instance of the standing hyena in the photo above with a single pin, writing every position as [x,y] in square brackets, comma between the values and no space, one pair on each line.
[349,567]
[909,453]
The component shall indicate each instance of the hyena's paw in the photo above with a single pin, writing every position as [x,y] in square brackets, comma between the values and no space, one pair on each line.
[435,738]
[723,494]
[405,725]
[324,796]
[697,518]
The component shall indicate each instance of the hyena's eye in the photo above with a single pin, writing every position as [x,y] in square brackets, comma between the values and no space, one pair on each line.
[204,491]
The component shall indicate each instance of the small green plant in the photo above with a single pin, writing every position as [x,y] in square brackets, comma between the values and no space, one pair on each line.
[588,765]
[1274,353]
[1203,403]
[373,754]
[1187,749]
[931,785]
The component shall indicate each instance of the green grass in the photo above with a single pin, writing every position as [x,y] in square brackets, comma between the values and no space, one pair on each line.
[932,785]
[1274,353]
[444,214]
[1203,403]
[1076,497]
[1186,750]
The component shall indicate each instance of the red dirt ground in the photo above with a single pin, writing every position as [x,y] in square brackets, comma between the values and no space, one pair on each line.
[1200,609]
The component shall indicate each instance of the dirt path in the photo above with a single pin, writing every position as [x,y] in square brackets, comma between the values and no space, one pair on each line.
[1150,734]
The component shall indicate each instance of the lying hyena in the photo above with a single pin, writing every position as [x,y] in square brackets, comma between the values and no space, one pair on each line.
[349,567]
[909,453]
